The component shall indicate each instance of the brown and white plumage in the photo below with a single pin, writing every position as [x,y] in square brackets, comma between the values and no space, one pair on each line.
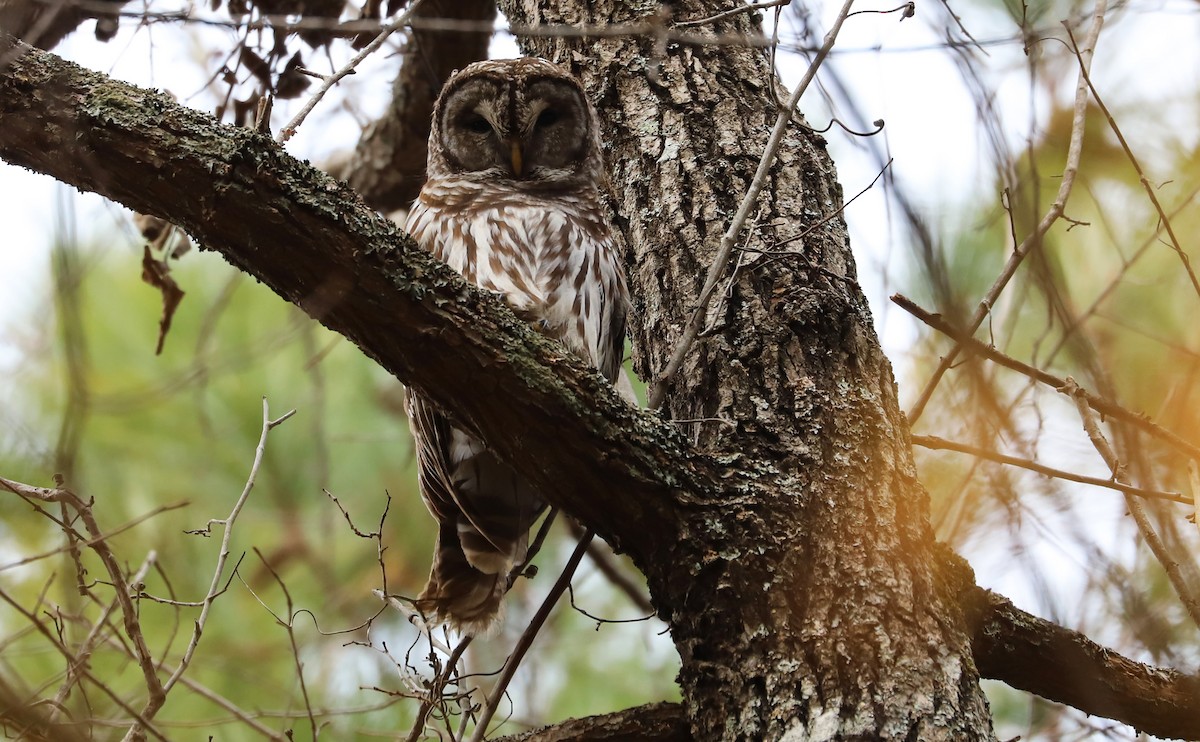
[512,202]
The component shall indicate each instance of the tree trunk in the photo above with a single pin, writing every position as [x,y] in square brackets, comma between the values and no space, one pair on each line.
[810,609]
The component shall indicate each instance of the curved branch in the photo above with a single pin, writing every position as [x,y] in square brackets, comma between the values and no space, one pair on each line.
[1064,666]
[1035,655]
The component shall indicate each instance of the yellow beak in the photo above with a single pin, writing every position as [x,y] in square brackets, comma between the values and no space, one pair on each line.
[517,162]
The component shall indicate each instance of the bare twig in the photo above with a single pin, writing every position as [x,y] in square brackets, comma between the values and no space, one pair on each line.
[436,688]
[84,652]
[102,537]
[936,443]
[1194,486]
[1162,214]
[289,625]
[215,589]
[527,637]
[729,239]
[131,621]
[1052,215]
[1104,406]
[1191,602]
[601,620]
[742,8]
[601,556]
[348,69]
[774,249]
[242,715]
[104,687]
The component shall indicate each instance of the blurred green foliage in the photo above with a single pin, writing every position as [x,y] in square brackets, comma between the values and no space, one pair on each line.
[1107,297]
[165,444]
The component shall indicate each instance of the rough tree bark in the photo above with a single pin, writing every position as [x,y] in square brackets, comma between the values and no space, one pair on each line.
[788,548]
[812,609]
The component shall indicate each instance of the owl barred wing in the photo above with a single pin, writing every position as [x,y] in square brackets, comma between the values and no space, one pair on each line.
[431,438]
[613,312]
[589,301]
[484,512]
[455,590]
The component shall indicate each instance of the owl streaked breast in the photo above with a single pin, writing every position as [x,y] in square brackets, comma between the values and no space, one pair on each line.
[552,258]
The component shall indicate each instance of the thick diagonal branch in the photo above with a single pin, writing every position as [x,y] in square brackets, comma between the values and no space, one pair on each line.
[312,241]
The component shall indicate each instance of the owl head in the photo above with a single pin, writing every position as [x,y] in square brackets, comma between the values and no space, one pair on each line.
[524,121]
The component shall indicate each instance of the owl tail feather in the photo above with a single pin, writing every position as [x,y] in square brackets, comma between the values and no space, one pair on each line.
[458,594]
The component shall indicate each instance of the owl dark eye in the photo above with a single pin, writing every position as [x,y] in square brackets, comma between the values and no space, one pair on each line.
[546,118]
[476,124]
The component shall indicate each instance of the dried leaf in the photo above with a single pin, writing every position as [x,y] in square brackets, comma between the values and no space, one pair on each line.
[158,274]
[292,82]
[255,64]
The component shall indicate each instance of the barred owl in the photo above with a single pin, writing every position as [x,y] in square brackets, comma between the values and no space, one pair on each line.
[512,202]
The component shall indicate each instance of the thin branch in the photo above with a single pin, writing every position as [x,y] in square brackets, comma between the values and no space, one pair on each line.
[742,8]
[1099,404]
[289,625]
[1162,214]
[602,557]
[936,443]
[1187,596]
[774,249]
[215,589]
[129,614]
[348,69]
[1052,215]
[436,689]
[729,239]
[104,687]
[84,652]
[240,714]
[1194,486]
[89,542]
[527,637]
